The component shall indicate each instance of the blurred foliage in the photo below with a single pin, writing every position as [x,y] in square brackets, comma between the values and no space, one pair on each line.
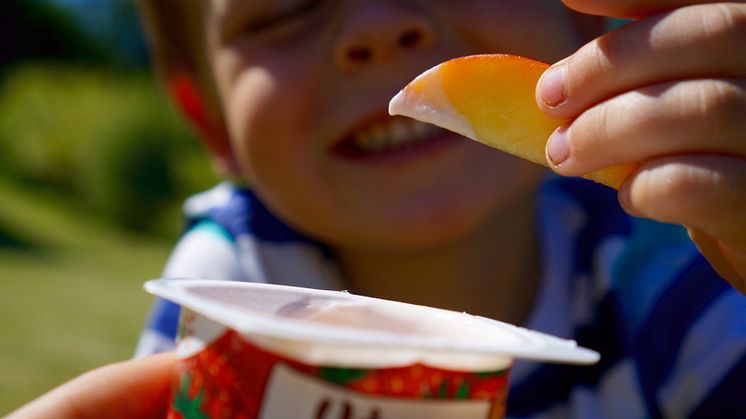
[32,29]
[107,140]
[81,116]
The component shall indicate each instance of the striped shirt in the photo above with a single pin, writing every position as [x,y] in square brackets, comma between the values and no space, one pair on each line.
[671,332]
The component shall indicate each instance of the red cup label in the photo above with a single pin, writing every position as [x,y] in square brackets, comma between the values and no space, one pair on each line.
[231,377]
[316,399]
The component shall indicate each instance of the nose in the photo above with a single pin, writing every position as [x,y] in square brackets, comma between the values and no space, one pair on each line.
[378,31]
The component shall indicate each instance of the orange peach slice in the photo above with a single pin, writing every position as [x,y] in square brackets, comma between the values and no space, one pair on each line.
[490,99]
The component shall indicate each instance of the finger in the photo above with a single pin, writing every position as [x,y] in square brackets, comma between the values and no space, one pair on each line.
[729,264]
[696,116]
[132,389]
[737,260]
[632,8]
[693,42]
[704,192]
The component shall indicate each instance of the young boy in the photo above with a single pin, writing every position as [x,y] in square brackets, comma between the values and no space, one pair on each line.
[291,97]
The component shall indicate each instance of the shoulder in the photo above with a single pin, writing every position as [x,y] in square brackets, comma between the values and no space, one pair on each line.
[232,235]
[206,250]
[240,212]
[227,226]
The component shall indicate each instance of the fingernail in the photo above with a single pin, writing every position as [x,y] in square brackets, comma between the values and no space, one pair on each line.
[552,85]
[625,199]
[558,148]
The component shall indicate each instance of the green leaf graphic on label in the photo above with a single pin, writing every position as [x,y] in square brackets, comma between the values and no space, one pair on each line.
[463,391]
[443,389]
[490,374]
[188,407]
[341,376]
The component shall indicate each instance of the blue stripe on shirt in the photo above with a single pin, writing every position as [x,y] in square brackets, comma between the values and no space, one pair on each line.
[654,256]
[552,383]
[654,351]
[164,318]
[660,338]
[604,217]
[245,214]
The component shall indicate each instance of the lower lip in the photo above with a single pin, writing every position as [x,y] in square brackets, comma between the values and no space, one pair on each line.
[402,155]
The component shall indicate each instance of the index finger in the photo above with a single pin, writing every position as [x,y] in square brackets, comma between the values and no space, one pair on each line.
[633,9]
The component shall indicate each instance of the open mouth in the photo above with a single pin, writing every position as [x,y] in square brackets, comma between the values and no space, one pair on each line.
[389,137]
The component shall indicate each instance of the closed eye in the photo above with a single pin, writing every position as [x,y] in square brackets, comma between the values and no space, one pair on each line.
[282,17]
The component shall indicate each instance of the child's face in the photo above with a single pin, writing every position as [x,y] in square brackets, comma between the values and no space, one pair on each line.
[305,87]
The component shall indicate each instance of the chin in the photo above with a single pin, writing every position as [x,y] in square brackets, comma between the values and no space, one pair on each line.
[430,222]
[455,218]
[425,208]
[430,232]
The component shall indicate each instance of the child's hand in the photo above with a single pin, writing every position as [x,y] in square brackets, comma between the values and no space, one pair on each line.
[131,389]
[669,91]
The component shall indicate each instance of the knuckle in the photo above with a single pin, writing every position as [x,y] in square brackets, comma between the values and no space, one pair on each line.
[591,129]
[674,192]
[605,128]
[689,192]
[585,67]
[599,57]
[720,102]
[719,20]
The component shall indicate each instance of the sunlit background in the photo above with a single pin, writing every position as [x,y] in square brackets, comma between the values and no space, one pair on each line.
[94,164]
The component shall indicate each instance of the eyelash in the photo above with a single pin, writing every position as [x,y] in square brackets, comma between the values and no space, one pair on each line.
[283,17]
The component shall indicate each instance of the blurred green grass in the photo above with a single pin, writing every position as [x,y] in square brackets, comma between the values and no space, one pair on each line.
[71,296]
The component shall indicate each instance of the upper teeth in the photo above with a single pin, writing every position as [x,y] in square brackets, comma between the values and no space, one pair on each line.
[393,134]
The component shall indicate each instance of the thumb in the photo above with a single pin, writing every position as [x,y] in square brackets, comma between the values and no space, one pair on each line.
[131,389]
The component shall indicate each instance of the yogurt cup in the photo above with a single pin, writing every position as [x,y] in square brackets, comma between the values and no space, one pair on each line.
[279,352]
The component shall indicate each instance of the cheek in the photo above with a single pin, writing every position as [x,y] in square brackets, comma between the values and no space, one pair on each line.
[268,123]
[272,117]
[244,103]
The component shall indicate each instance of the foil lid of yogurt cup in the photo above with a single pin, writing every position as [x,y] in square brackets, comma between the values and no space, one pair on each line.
[337,326]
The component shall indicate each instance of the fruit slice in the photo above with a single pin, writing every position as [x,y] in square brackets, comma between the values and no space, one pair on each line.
[490,99]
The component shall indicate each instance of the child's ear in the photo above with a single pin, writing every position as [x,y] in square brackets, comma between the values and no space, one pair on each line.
[190,101]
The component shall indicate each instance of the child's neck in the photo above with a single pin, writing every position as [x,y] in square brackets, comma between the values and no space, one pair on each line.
[493,272]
